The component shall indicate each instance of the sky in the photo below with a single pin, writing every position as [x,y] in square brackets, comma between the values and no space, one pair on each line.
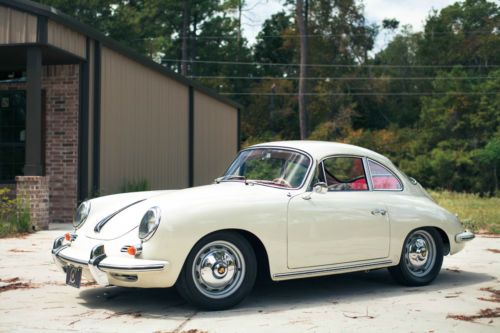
[412,12]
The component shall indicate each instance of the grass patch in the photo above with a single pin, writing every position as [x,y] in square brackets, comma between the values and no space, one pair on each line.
[476,213]
[14,215]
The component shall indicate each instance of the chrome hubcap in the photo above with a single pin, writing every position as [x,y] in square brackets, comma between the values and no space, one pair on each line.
[420,253]
[218,269]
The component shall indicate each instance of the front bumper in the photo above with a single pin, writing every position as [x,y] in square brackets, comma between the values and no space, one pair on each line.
[464,237]
[109,270]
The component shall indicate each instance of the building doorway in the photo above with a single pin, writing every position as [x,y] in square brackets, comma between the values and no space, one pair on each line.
[12,134]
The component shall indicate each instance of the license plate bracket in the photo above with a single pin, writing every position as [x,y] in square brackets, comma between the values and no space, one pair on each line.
[73,276]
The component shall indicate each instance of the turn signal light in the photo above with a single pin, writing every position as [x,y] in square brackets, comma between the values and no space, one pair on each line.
[131,250]
[67,236]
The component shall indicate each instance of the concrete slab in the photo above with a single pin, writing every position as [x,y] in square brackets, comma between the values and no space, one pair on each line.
[353,302]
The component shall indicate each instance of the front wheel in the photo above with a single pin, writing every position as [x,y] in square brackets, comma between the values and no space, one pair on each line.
[219,272]
[421,258]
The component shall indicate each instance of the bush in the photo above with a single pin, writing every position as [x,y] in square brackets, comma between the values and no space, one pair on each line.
[14,215]
[135,186]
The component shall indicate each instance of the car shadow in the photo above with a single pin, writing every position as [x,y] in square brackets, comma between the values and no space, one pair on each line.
[273,296]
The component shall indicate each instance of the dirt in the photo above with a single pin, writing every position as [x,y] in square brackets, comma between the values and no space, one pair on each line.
[494,295]
[19,251]
[14,284]
[484,313]
[134,314]
[493,250]
[188,331]
[453,269]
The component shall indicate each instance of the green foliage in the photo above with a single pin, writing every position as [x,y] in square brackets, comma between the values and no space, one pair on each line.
[439,124]
[14,215]
[476,213]
[135,186]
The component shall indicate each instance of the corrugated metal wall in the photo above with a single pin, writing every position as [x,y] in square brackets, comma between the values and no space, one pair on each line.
[66,39]
[144,126]
[17,27]
[215,138]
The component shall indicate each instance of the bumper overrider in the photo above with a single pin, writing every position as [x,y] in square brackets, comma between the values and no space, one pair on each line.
[464,237]
[103,269]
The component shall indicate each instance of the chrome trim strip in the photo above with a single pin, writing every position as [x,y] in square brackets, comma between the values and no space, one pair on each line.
[333,269]
[105,220]
[138,268]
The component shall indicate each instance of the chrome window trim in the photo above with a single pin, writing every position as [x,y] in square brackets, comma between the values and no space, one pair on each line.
[346,155]
[304,181]
[388,169]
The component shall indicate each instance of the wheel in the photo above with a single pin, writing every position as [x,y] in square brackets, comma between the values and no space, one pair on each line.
[219,272]
[421,258]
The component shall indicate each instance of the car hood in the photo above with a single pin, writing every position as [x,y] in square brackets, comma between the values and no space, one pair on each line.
[104,209]
[124,212]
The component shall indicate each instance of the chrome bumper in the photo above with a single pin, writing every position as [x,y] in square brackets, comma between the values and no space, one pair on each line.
[464,237]
[99,267]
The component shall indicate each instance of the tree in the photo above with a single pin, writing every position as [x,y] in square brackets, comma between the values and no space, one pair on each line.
[490,156]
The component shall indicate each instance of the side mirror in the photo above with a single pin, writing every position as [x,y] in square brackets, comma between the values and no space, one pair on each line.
[320,187]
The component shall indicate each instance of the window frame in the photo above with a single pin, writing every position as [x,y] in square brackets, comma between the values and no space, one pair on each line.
[365,169]
[390,171]
[294,150]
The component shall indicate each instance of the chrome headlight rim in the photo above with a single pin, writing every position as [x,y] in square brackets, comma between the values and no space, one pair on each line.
[81,213]
[151,228]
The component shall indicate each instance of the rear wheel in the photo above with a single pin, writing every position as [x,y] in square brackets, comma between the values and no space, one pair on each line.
[219,272]
[421,258]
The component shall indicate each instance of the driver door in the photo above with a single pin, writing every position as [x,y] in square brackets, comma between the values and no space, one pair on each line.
[346,224]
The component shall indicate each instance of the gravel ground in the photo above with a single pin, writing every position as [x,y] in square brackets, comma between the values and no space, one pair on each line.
[34,298]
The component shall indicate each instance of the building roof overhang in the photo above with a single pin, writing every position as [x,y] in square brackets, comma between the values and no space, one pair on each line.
[68,21]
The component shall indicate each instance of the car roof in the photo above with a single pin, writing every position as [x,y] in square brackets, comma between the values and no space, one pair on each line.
[321,149]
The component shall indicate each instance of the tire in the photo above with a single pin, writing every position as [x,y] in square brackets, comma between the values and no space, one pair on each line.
[421,258]
[219,272]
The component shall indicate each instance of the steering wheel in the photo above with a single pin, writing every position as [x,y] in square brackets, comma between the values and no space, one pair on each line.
[282,181]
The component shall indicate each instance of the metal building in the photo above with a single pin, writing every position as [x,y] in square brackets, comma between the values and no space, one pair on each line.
[83,114]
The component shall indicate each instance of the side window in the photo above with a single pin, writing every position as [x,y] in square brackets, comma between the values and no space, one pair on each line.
[345,174]
[382,178]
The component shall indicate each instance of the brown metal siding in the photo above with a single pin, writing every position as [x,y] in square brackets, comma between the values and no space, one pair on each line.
[144,126]
[215,138]
[17,27]
[66,39]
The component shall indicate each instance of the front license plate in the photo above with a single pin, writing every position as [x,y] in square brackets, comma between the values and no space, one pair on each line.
[73,276]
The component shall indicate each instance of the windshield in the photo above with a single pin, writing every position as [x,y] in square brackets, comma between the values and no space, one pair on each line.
[274,166]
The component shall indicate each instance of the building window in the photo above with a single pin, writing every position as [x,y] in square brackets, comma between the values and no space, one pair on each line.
[12,134]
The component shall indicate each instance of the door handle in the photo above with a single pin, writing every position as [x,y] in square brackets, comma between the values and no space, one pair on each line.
[379,211]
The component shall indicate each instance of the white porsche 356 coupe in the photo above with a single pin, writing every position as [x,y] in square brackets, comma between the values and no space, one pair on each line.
[287,210]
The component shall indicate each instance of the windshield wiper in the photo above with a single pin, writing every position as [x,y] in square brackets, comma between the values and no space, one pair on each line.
[231,177]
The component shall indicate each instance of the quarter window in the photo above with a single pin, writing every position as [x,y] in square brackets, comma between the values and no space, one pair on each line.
[382,178]
[344,174]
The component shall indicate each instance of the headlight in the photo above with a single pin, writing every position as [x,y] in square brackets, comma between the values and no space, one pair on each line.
[81,214]
[149,223]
